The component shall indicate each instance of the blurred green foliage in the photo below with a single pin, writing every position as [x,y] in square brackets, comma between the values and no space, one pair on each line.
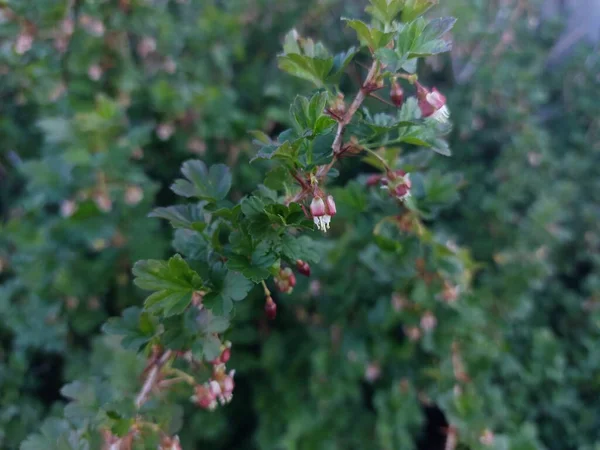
[102,101]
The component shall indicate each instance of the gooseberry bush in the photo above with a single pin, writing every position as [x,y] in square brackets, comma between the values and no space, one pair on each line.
[367,241]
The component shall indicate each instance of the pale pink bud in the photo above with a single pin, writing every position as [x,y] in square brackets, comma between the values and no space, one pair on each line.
[428,321]
[165,130]
[413,333]
[24,43]
[170,66]
[92,25]
[103,202]
[133,195]
[487,437]
[372,372]
[315,288]
[95,72]
[68,208]
[146,46]
[67,26]
[196,145]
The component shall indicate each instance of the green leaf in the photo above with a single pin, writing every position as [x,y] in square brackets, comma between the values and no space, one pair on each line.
[236,286]
[136,327]
[285,151]
[303,248]
[314,70]
[415,8]
[252,207]
[277,178]
[228,286]
[182,216]
[211,347]
[340,62]
[243,265]
[418,38]
[55,434]
[371,37]
[173,282]
[192,244]
[308,115]
[207,184]
[385,11]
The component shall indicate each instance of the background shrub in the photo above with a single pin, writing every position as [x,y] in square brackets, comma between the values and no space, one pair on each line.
[102,102]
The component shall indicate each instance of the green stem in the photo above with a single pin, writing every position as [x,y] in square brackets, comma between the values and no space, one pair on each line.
[376,155]
[181,374]
[266,289]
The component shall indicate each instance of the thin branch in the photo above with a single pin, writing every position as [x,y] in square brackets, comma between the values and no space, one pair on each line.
[383,100]
[151,379]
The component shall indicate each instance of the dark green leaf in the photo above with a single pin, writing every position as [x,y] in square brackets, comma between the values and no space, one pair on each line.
[208,184]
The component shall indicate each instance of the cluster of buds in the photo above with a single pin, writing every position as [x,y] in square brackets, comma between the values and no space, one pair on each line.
[270,308]
[432,104]
[219,388]
[285,280]
[303,267]
[397,183]
[322,211]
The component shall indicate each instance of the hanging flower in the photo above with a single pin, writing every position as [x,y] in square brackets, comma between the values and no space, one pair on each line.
[322,211]
[432,104]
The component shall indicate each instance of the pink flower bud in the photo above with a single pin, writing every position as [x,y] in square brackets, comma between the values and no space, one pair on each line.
[317,207]
[397,94]
[226,355]
[303,267]
[330,206]
[271,308]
